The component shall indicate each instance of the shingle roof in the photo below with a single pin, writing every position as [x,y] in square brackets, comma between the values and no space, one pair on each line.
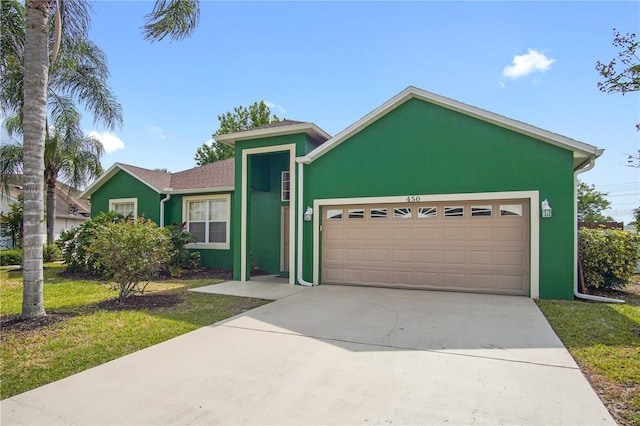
[212,176]
[157,179]
[66,198]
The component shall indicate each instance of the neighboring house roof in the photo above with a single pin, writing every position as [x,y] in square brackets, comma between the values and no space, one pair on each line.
[582,152]
[68,203]
[284,127]
[212,177]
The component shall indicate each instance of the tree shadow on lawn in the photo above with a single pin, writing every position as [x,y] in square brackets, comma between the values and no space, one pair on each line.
[157,303]
[150,301]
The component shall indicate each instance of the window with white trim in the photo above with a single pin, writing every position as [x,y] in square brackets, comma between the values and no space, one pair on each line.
[124,206]
[286,186]
[207,219]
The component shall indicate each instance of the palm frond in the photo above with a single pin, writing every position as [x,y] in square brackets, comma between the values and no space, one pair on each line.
[174,18]
[10,164]
[82,74]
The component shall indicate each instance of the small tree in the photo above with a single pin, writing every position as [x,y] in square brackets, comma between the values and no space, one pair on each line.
[591,203]
[242,118]
[11,223]
[131,251]
[623,77]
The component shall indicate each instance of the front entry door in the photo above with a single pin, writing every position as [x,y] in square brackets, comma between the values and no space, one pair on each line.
[284,239]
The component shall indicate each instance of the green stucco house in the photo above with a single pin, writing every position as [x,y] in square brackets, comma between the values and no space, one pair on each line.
[424,192]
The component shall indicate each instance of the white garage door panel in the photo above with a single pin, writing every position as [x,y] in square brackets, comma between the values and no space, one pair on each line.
[416,246]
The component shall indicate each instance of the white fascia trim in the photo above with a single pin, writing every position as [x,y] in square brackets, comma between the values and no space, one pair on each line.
[200,190]
[578,148]
[244,191]
[534,218]
[308,128]
[86,194]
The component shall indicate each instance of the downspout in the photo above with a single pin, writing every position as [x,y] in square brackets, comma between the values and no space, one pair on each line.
[299,186]
[164,200]
[576,292]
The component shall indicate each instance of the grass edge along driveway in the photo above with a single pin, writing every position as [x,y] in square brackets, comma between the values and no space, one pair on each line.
[604,339]
[85,328]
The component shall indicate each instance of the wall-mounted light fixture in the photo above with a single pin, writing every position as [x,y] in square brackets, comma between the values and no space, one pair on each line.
[546,208]
[308,214]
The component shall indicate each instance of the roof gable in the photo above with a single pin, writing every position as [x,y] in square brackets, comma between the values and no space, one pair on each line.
[218,176]
[582,152]
[285,127]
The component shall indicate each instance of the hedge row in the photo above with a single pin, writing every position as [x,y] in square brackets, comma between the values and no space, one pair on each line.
[50,253]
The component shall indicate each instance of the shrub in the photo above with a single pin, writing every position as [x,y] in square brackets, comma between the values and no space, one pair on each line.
[10,257]
[74,243]
[130,252]
[609,256]
[51,253]
[181,257]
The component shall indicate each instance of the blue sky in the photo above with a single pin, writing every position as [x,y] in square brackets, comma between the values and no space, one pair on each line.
[333,62]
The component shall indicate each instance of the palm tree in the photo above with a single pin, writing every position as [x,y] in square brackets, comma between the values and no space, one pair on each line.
[79,74]
[175,18]
[68,156]
[36,60]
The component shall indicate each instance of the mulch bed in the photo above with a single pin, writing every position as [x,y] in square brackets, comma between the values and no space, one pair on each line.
[185,274]
[139,302]
[14,323]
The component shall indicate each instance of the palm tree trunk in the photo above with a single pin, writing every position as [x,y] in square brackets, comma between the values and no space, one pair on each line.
[51,210]
[36,63]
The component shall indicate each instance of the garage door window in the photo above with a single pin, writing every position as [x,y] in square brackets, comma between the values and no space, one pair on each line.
[334,214]
[481,211]
[356,213]
[510,209]
[427,212]
[402,213]
[378,213]
[454,211]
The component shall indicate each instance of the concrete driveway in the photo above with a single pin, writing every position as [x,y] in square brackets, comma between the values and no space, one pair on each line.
[338,355]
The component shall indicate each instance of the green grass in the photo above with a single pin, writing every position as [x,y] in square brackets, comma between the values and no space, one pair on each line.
[604,339]
[92,336]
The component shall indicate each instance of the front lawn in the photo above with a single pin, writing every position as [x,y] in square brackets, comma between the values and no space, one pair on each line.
[604,339]
[85,327]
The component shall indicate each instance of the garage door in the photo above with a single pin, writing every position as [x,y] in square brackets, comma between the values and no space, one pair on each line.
[479,246]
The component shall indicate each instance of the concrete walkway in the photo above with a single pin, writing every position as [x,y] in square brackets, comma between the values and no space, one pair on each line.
[338,355]
[264,287]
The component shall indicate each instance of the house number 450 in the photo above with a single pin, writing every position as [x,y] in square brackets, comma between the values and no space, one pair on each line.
[413,199]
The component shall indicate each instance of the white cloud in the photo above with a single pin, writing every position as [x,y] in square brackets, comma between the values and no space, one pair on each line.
[271,105]
[110,141]
[158,132]
[526,64]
